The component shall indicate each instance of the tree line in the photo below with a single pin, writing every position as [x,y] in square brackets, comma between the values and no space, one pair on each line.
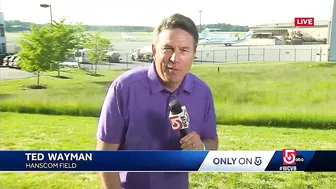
[18,26]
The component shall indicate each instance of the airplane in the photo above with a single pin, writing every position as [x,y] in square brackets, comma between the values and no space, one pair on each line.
[227,40]
[128,37]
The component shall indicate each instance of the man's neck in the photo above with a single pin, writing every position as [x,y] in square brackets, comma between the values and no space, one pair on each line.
[171,87]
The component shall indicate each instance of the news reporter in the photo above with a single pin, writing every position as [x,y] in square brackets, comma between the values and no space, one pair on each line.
[135,111]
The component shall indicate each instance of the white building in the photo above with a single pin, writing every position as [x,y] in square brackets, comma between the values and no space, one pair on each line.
[318,31]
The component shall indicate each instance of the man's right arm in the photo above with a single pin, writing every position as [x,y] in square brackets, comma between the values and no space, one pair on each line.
[109,180]
[110,131]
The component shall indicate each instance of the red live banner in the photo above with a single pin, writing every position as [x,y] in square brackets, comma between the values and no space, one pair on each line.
[304,21]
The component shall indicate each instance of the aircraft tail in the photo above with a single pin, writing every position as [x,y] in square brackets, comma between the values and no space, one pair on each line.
[204,33]
[248,35]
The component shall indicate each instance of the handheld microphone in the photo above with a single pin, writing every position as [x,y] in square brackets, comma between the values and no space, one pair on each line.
[178,117]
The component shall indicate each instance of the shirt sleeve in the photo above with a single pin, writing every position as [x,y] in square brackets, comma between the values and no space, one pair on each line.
[209,127]
[111,123]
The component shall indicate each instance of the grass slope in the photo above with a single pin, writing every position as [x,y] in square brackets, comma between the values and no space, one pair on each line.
[291,94]
[42,132]
[275,94]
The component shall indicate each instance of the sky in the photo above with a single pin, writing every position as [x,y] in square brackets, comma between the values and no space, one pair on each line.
[151,12]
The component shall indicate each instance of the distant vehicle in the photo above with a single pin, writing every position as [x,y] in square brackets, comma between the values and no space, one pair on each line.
[128,37]
[81,55]
[220,39]
[11,61]
[16,63]
[5,61]
[113,57]
[142,54]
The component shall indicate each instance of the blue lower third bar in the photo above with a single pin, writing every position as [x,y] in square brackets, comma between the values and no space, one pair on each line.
[12,161]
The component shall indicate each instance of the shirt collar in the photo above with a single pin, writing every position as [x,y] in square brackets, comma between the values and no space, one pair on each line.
[156,86]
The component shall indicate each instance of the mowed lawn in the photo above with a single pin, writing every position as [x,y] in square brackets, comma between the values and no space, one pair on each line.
[275,94]
[49,132]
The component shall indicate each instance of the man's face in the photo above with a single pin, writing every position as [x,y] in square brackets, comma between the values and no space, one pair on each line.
[174,53]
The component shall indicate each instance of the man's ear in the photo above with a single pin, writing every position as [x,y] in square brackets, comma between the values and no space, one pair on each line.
[153,50]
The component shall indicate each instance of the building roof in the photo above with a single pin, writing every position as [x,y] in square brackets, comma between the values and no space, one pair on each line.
[317,23]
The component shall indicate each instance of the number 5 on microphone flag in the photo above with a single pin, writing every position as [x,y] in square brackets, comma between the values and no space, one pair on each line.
[166,160]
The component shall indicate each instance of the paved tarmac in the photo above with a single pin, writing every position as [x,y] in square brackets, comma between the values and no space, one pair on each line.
[206,54]
[9,73]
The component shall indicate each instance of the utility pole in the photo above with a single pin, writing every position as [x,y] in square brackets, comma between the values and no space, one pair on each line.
[48,6]
[200,26]
[332,40]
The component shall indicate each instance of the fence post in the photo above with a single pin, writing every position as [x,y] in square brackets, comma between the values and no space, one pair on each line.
[248,53]
[311,55]
[201,57]
[295,55]
[126,57]
[237,55]
[320,54]
[279,55]
[213,56]
[225,55]
[263,54]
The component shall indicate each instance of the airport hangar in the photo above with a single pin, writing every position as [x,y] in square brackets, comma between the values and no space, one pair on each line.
[319,31]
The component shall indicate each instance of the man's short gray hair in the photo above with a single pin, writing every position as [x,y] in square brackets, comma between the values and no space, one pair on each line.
[177,21]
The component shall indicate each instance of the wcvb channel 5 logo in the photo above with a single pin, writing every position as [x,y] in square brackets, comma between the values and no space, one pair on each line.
[289,157]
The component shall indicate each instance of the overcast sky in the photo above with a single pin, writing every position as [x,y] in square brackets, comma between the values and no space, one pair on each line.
[150,12]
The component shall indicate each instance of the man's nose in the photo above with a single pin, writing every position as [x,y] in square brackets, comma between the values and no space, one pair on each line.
[175,57]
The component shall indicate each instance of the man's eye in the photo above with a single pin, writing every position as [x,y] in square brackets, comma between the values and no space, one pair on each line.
[167,49]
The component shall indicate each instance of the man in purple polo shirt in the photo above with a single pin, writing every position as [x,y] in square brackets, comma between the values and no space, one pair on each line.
[135,112]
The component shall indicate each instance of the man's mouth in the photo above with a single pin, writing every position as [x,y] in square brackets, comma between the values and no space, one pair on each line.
[173,69]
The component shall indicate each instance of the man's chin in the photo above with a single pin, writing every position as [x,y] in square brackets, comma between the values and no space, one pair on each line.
[173,80]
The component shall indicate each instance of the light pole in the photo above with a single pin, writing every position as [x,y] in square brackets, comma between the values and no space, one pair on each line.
[200,27]
[48,6]
[332,36]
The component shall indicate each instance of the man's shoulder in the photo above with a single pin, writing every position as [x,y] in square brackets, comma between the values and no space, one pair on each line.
[131,76]
[199,84]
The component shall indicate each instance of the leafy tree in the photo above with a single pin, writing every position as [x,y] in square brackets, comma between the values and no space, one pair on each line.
[97,46]
[36,48]
[66,39]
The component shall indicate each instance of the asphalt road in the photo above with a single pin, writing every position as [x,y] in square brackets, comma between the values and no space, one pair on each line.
[9,73]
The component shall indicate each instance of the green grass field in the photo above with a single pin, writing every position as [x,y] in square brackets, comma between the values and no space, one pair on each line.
[276,94]
[46,132]
[259,106]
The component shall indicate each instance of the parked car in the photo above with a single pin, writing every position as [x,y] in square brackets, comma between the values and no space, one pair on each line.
[113,57]
[5,61]
[16,63]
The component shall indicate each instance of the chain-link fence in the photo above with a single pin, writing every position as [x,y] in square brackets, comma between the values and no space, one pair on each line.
[232,55]
[250,54]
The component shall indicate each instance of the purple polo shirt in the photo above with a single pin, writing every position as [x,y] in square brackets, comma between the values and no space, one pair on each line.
[135,115]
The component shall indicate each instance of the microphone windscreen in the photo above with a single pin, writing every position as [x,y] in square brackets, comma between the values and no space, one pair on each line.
[175,107]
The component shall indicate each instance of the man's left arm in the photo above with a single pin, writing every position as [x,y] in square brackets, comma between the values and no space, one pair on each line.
[208,133]
[211,144]
[207,139]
